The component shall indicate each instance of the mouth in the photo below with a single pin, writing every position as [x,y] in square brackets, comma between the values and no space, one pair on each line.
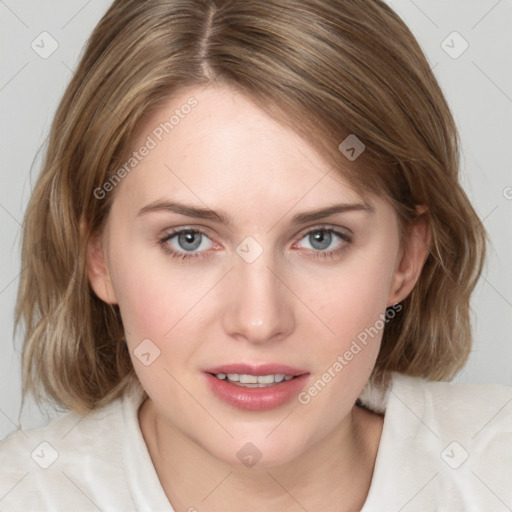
[254,381]
[255,387]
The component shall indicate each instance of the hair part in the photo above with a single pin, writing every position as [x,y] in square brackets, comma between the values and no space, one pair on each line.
[325,68]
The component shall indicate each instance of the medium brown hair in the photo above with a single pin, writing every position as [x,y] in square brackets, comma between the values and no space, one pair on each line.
[327,68]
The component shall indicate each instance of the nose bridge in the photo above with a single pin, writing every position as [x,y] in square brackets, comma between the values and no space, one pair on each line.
[259,307]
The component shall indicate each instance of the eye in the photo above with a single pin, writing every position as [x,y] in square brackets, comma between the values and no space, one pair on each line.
[326,242]
[186,243]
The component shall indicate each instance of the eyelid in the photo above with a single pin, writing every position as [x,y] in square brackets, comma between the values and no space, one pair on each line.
[170,232]
[327,227]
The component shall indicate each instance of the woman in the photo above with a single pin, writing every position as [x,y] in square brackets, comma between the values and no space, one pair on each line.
[255,263]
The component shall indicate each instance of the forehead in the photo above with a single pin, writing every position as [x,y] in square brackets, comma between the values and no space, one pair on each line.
[212,145]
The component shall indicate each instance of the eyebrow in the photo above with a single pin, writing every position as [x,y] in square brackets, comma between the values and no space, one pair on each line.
[223,218]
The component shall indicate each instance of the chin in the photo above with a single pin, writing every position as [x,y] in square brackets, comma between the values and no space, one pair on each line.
[257,451]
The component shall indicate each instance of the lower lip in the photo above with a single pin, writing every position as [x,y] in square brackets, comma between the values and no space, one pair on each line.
[256,399]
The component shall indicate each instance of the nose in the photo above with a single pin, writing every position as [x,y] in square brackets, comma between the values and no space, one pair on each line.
[259,308]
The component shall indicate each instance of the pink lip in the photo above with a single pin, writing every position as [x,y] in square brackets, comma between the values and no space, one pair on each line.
[256,399]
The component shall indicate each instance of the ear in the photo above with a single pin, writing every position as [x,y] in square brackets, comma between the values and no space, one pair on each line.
[97,269]
[411,257]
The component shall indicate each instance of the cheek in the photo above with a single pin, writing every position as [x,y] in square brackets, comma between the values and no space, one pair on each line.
[161,301]
[146,297]
[356,294]
[353,306]
[153,312]
[150,306]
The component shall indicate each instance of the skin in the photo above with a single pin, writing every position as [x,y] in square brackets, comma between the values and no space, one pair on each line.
[287,306]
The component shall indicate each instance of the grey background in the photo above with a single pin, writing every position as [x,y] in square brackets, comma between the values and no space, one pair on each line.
[477,84]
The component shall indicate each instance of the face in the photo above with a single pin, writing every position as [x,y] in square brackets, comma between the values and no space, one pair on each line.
[262,287]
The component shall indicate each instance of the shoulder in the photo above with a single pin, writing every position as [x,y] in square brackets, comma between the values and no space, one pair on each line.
[465,409]
[66,465]
[450,443]
[447,404]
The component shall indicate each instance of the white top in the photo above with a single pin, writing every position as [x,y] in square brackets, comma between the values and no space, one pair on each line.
[444,447]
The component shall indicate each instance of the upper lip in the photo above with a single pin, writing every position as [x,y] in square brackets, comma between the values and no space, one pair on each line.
[255,369]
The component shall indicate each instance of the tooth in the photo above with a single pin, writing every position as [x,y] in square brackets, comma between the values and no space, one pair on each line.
[255,380]
[248,379]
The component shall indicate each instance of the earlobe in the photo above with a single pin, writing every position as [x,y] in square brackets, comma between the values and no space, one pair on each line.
[97,270]
[412,257]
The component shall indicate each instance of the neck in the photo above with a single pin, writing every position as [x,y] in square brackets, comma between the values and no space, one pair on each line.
[332,475]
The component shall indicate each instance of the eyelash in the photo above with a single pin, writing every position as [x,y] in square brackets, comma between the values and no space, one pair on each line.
[204,254]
